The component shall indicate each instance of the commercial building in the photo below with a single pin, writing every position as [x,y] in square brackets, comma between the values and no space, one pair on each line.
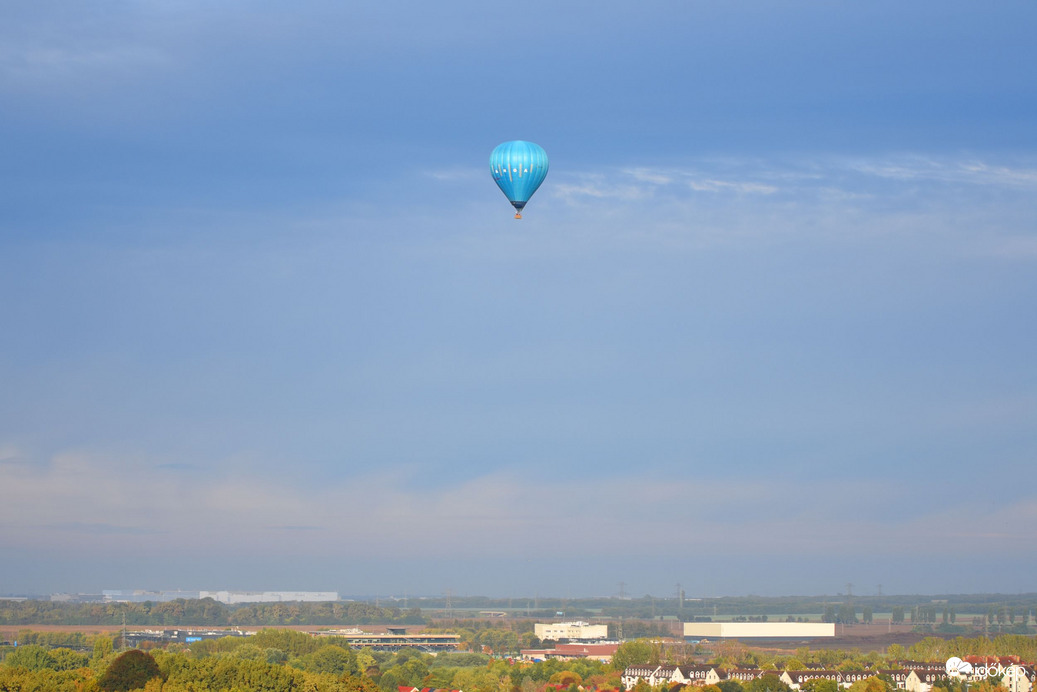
[394,639]
[570,630]
[568,652]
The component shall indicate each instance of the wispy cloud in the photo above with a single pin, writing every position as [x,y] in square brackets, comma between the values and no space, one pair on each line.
[973,207]
[968,171]
[800,176]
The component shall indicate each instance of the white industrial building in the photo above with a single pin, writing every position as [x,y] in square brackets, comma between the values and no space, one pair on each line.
[758,630]
[570,630]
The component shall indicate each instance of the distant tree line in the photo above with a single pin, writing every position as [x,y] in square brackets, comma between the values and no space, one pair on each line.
[651,607]
[1004,612]
[204,612]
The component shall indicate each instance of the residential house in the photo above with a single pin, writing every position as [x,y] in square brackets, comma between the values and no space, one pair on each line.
[796,678]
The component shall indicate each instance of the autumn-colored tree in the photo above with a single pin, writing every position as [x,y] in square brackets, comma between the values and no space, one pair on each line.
[333,659]
[12,678]
[604,681]
[565,677]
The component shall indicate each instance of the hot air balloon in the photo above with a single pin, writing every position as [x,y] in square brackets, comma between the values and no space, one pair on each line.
[518,168]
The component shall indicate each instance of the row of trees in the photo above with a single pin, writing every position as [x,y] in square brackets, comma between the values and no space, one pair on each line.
[204,612]
[275,660]
[929,618]
[846,613]
[207,612]
[649,607]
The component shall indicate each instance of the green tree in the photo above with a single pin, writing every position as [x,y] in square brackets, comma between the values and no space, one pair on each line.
[129,671]
[67,659]
[44,680]
[768,683]
[249,652]
[820,685]
[333,659]
[31,657]
[634,653]
[872,684]
[847,613]
[291,642]
[102,647]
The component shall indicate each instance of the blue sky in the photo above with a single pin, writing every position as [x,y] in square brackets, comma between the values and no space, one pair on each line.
[768,326]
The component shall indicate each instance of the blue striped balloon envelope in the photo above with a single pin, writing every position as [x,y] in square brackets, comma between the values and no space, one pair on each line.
[518,168]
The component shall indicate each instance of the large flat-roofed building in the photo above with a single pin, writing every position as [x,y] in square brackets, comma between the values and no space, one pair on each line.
[758,630]
[570,630]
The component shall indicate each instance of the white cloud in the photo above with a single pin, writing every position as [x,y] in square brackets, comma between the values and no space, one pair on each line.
[709,185]
[969,171]
[961,207]
[648,175]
